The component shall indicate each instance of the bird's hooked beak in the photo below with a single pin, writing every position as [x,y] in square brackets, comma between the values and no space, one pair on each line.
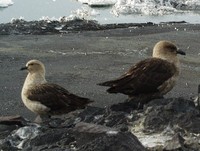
[24,68]
[179,51]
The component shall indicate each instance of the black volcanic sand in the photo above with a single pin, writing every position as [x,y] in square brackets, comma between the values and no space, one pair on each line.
[78,59]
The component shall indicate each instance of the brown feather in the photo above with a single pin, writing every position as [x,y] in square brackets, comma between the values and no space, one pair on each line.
[58,99]
[143,78]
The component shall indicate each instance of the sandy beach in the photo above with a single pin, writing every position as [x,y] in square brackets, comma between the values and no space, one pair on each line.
[80,60]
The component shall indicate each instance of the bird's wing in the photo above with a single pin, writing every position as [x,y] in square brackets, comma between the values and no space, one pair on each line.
[56,97]
[144,77]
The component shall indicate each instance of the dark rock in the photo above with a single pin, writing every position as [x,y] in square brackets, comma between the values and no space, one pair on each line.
[13,120]
[10,123]
[161,113]
[92,128]
[105,117]
[127,106]
[192,143]
[91,114]
[22,27]
[155,148]
[108,128]
[50,139]
[80,24]
[6,146]
[84,137]
[32,27]
[90,132]
[176,143]
[100,6]
[118,142]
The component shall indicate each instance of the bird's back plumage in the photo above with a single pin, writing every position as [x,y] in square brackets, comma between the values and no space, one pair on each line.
[142,78]
[55,97]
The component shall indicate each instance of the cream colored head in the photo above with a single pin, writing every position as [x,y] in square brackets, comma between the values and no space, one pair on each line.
[34,66]
[166,50]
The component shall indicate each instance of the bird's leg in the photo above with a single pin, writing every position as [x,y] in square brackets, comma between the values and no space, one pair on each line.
[42,119]
[137,102]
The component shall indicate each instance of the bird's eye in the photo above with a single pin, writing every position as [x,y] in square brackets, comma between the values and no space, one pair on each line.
[31,64]
[171,48]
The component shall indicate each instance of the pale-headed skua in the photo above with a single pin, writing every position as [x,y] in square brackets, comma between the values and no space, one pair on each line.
[46,99]
[150,78]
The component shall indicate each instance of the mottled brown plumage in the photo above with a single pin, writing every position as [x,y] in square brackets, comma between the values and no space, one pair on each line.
[144,77]
[149,78]
[45,98]
[55,97]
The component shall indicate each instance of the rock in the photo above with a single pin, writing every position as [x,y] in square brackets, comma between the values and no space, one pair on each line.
[22,27]
[84,137]
[105,117]
[93,128]
[127,106]
[192,143]
[118,142]
[12,120]
[108,128]
[50,139]
[174,111]
[10,123]
[177,143]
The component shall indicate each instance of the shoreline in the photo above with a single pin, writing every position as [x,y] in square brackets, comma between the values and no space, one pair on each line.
[23,27]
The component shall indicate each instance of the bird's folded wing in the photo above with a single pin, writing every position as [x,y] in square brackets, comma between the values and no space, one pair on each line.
[55,96]
[144,77]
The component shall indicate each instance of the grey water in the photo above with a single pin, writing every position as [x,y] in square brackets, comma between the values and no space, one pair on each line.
[35,9]
[54,9]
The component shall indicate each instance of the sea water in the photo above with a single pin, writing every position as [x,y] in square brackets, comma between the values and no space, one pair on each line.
[104,11]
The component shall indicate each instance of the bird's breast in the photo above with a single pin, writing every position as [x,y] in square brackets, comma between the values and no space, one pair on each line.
[168,84]
[33,105]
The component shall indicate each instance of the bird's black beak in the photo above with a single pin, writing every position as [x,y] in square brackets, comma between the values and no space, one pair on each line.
[179,51]
[24,68]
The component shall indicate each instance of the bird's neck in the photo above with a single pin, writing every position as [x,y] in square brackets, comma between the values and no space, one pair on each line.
[173,60]
[33,79]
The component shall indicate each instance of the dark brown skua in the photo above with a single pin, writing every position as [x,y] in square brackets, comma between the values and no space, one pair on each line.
[150,78]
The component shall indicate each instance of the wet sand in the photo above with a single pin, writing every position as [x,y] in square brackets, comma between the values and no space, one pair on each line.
[78,61]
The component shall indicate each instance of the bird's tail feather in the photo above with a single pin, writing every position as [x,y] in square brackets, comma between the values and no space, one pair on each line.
[112,90]
[82,102]
[107,83]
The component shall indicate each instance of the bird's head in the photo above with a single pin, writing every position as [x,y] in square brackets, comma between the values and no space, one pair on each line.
[34,66]
[166,50]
